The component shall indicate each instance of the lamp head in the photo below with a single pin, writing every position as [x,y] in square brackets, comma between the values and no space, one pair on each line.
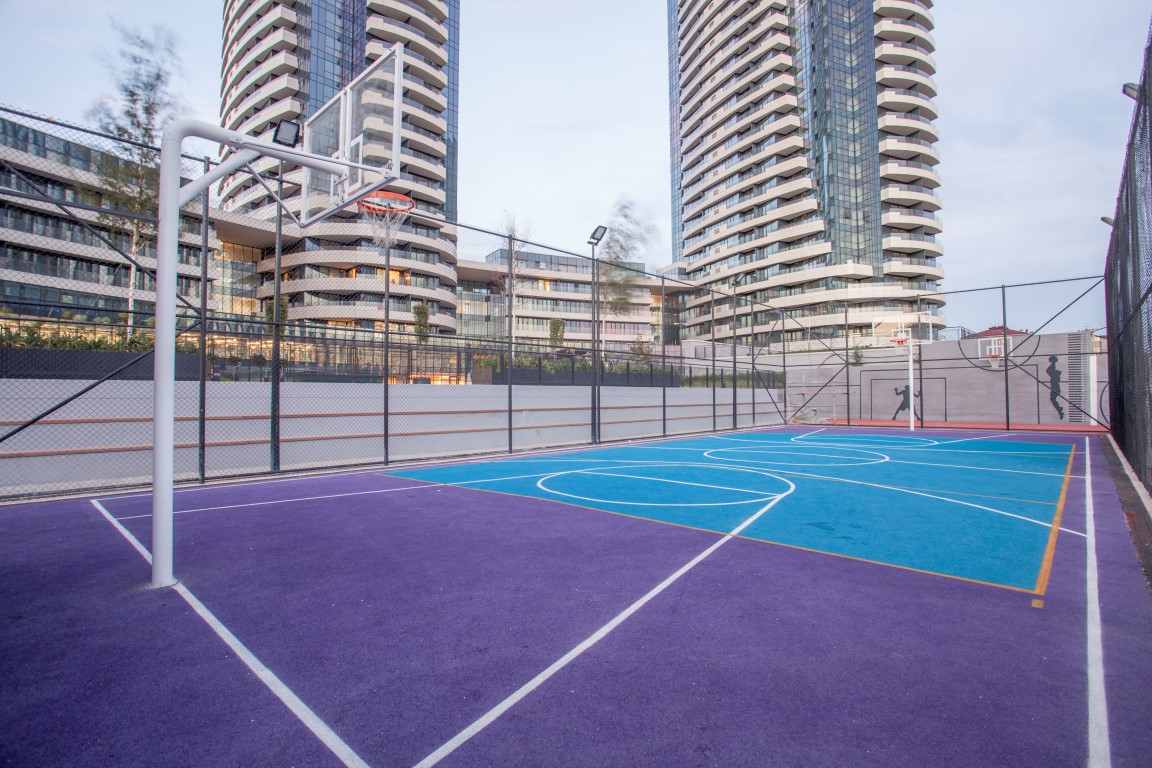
[597,235]
[287,133]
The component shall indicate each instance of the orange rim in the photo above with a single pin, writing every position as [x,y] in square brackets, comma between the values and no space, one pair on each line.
[386,202]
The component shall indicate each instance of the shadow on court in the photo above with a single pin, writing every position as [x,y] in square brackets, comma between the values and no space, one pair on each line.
[397,621]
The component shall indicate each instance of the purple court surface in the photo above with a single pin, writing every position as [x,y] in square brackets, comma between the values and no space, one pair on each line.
[366,618]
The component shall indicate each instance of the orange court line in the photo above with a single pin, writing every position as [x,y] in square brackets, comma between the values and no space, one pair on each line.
[1050,551]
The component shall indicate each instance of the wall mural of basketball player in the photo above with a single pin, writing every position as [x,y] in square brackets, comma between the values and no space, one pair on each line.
[904,404]
[1054,376]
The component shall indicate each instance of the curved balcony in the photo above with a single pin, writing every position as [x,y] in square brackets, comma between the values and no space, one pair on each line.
[421,20]
[281,40]
[904,124]
[236,20]
[904,100]
[916,10]
[698,92]
[343,285]
[910,194]
[363,311]
[909,266]
[699,116]
[795,276]
[289,109]
[899,76]
[913,244]
[278,90]
[909,148]
[910,172]
[912,219]
[256,36]
[370,256]
[906,54]
[245,82]
[397,31]
[905,31]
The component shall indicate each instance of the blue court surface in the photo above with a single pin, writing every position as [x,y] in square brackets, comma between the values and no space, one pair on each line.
[980,509]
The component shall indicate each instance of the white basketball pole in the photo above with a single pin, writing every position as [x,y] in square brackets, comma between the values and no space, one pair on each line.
[172,198]
[911,395]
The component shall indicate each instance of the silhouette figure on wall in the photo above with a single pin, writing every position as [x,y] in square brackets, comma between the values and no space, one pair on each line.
[904,404]
[1054,376]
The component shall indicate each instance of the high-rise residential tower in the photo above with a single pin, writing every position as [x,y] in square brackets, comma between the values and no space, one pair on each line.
[284,59]
[803,166]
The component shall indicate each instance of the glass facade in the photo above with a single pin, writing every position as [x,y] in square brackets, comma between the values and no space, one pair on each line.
[835,49]
[676,159]
[336,54]
[451,209]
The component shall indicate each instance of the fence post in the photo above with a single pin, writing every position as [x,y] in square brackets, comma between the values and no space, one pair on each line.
[847,371]
[663,360]
[712,381]
[1004,356]
[202,407]
[735,417]
[784,361]
[920,370]
[274,408]
[511,340]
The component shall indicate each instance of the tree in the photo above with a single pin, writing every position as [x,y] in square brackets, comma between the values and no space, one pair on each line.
[142,106]
[270,313]
[506,284]
[420,313]
[556,328]
[627,236]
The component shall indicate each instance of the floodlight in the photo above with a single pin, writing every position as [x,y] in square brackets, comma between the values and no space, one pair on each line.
[597,235]
[1132,91]
[287,133]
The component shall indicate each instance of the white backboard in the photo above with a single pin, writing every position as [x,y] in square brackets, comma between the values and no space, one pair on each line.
[360,124]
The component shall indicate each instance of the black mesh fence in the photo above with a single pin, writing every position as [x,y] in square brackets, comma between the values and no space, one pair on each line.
[550,348]
[1037,361]
[1129,281]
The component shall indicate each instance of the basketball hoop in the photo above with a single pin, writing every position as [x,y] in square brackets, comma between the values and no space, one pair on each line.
[899,342]
[385,210]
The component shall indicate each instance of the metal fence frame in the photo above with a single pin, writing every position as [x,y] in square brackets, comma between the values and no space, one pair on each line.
[1129,278]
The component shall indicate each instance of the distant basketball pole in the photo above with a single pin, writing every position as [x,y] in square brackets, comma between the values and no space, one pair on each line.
[911,392]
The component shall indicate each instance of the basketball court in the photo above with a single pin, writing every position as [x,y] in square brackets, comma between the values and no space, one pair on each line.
[789,596]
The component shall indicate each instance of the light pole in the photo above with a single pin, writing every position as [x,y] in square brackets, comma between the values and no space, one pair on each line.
[594,240]
[286,134]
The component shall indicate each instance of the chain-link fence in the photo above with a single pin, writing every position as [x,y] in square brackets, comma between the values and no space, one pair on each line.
[1129,280]
[549,348]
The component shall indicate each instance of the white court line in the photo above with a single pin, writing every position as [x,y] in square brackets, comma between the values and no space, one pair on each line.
[491,715]
[760,495]
[234,483]
[295,705]
[1041,523]
[1099,746]
[282,501]
[969,439]
[984,469]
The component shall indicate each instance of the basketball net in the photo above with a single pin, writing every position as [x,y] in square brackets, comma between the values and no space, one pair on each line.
[386,211]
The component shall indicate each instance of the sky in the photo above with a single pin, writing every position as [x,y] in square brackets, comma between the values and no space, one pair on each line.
[564,112]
